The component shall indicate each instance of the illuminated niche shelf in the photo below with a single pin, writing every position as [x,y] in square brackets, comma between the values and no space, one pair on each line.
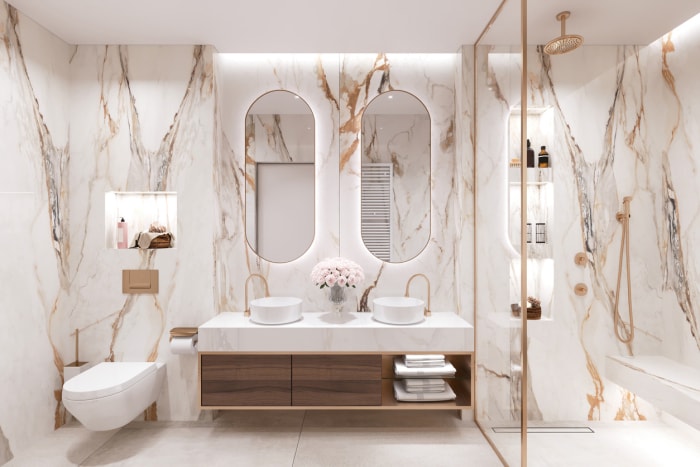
[139,209]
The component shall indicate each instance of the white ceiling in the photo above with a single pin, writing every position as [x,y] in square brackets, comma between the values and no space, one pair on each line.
[327,26]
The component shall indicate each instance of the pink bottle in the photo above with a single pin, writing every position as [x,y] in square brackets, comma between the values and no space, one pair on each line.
[122,234]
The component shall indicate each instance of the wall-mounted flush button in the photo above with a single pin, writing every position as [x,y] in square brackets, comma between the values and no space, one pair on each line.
[140,281]
[580,289]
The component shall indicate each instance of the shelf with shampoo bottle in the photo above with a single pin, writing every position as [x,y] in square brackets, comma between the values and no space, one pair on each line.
[140,219]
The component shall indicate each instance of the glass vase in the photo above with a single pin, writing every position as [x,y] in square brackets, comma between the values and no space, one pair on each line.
[337,297]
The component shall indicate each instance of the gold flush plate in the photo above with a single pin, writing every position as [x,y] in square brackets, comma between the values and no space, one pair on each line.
[138,281]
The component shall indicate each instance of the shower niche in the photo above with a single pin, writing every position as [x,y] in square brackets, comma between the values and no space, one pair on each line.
[540,208]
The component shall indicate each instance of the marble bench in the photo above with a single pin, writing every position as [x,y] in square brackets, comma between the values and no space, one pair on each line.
[668,385]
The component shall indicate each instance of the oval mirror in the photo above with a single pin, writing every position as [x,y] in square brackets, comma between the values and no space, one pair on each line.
[280,176]
[395,199]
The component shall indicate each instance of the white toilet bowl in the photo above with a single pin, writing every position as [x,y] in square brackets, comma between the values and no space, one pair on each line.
[111,394]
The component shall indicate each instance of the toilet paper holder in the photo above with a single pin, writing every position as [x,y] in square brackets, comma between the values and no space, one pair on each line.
[183,332]
[183,340]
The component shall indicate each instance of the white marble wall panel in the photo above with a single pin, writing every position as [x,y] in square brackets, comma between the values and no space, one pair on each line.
[33,189]
[80,122]
[431,79]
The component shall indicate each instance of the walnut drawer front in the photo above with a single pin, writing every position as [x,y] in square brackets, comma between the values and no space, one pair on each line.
[240,380]
[337,367]
[336,380]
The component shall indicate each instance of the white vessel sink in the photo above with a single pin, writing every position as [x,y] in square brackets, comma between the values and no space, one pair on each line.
[275,310]
[398,310]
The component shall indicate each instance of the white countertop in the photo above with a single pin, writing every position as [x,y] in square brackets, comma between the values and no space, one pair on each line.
[443,332]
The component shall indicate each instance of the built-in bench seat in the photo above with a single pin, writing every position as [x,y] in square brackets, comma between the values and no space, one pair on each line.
[667,384]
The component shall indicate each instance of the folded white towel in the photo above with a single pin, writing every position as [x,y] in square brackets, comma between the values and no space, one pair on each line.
[423,381]
[425,364]
[400,369]
[400,394]
[435,385]
[419,357]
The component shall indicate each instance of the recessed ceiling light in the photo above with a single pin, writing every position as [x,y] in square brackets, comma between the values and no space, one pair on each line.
[390,96]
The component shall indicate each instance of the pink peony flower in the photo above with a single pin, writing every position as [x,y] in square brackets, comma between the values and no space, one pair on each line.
[339,271]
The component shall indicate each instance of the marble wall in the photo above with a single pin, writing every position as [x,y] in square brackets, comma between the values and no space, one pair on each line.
[77,122]
[623,125]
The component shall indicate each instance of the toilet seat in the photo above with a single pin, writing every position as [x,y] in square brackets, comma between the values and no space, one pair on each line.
[106,379]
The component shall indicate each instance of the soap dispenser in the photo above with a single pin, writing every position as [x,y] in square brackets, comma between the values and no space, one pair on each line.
[122,234]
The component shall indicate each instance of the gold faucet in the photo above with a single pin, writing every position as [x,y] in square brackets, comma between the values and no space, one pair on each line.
[267,291]
[426,311]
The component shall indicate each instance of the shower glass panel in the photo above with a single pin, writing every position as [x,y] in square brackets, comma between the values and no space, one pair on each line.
[499,298]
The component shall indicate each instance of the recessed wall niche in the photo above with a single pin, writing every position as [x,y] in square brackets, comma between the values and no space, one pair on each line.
[540,207]
[139,210]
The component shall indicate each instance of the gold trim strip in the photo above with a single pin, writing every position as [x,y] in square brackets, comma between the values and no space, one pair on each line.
[523,227]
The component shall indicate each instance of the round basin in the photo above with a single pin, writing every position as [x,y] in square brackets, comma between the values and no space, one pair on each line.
[275,310]
[398,310]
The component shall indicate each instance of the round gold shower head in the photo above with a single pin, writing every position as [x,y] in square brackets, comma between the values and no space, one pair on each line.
[564,43]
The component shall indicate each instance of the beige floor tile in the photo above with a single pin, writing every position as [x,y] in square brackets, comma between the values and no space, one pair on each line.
[384,446]
[67,446]
[195,446]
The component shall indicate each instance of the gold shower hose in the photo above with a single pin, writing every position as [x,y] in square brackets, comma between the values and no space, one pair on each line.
[622,328]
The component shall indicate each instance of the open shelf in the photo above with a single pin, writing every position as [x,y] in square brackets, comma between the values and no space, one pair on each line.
[139,209]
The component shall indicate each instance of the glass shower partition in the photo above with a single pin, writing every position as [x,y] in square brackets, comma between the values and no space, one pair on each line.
[500,168]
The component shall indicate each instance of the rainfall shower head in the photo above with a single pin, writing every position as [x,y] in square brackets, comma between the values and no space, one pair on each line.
[564,43]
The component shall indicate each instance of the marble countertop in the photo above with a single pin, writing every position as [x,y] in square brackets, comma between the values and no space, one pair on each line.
[443,332]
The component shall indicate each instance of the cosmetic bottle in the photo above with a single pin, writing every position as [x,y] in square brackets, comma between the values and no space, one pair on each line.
[122,234]
[543,160]
[530,155]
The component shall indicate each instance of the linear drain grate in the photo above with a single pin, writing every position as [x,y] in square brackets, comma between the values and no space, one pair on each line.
[544,429]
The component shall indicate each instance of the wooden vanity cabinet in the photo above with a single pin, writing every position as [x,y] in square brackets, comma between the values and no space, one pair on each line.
[308,381]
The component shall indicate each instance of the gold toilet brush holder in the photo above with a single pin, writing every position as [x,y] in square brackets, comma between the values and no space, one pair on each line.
[75,368]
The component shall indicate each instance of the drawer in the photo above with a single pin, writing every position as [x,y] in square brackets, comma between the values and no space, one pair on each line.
[329,393]
[246,367]
[246,380]
[246,393]
[336,367]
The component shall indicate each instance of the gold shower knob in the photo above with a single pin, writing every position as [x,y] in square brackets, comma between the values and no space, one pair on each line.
[580,289]
[580,259]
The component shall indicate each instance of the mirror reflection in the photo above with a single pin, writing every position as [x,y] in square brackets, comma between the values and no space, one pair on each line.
[395,205]
[280,176]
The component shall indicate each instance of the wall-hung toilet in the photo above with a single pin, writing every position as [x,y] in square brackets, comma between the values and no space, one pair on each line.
[111,394]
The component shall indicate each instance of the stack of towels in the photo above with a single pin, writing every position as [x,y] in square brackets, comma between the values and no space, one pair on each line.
[423,378]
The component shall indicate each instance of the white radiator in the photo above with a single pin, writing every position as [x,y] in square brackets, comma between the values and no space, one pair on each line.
[376,209]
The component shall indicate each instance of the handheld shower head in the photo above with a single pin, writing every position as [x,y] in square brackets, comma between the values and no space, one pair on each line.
[564,43]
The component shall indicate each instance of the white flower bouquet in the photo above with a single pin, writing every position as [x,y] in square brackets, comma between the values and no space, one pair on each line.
[337,271]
